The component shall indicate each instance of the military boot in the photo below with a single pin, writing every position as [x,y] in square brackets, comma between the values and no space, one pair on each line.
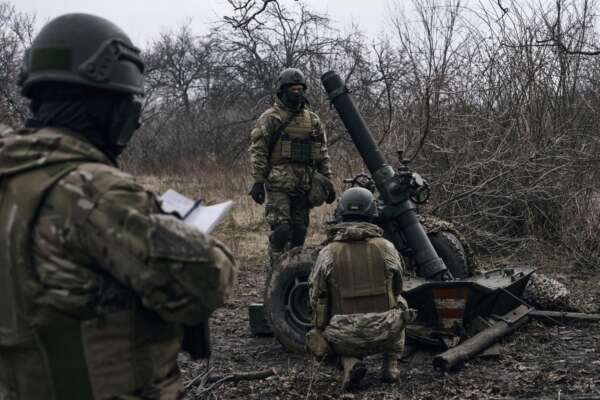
[278,244]
[354,370]
[390,371]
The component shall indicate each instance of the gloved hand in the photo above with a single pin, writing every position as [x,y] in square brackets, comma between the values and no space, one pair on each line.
[258,192]
[443,276]
[330,195]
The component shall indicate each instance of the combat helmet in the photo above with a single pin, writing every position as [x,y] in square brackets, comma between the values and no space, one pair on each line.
[356,203]
[86,50]
[290,76]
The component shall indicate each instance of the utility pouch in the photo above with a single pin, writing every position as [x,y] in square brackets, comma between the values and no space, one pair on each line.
[320,187]
[301,151]
[286,148]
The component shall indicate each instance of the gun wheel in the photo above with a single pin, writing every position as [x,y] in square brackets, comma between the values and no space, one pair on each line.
[287,306]
[451,250]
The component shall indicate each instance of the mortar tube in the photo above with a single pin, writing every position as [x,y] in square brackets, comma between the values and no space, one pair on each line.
[357,128]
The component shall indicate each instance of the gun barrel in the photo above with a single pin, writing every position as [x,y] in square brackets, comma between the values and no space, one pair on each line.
[389,183]
[353,121]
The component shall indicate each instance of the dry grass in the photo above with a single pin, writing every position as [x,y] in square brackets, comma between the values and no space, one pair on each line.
[244,230]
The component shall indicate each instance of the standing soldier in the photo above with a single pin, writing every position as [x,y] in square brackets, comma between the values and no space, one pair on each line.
[355,291]
[290,163]
[97,284]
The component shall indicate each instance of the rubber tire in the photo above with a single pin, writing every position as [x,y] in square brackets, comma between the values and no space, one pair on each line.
[294,265]
[451,250]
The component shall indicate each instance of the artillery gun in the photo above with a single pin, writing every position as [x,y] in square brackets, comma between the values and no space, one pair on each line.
[400,190]
[447,242]
[435,254]
[459,312]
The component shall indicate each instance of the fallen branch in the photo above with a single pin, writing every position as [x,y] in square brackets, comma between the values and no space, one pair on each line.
[244,376]
[236,377]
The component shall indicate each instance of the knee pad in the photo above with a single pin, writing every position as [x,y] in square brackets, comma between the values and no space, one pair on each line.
[298,236]
[280,236]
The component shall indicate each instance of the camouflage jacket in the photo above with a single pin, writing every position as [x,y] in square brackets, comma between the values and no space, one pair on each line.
[362,334]
[100,245]
[284,177]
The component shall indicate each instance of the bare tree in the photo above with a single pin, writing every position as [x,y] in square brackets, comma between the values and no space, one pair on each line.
[498,105]
[246,12]
[16,33]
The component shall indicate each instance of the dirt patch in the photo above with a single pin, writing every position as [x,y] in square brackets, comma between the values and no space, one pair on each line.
[536,362]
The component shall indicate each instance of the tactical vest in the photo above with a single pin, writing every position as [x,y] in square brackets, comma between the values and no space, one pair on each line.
[51,355]
[298,142]
[358,282]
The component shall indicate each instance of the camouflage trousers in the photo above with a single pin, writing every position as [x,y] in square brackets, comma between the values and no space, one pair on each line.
[289,216]
[359,335]
[286,208]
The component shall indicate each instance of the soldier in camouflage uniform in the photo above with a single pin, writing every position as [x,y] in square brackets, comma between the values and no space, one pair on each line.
[355,291]
[290,163]
[97,284]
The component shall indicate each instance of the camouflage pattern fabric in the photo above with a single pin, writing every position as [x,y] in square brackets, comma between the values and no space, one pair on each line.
[433,224]
[99,217]
[286,177]
[287,184]
[101,244]
[282,208]
[361,334]
[546,293]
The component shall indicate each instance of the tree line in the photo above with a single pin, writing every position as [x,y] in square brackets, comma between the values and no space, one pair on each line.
[497,103]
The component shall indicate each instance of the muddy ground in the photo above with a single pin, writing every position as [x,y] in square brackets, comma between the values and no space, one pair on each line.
[537,362]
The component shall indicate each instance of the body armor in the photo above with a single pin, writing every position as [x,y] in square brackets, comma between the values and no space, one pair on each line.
[358,281]
[297,143]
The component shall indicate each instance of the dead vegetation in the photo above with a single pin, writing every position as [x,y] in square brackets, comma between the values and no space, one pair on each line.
[496,104]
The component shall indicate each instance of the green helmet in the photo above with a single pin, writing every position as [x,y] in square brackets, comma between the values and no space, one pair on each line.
[86,50]
[290,76]
[356,202]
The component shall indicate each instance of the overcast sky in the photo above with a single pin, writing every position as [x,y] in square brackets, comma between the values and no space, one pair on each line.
[143,20]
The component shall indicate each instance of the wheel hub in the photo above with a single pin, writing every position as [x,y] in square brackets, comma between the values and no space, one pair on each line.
[298,303]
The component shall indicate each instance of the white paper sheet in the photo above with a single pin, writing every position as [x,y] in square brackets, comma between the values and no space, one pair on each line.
[193,213]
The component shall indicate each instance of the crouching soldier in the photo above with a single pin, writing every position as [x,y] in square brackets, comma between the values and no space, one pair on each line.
[355,291]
